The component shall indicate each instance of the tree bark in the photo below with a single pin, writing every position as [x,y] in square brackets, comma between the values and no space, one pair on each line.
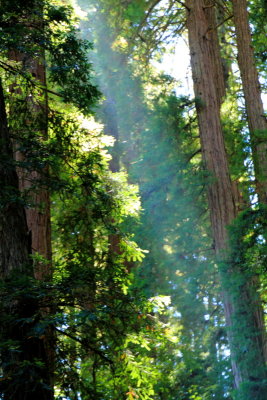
[223,209]
[211,34]
[22,378]
[38,216]
[257,121]
[14,237]
[30,182]
[202,52]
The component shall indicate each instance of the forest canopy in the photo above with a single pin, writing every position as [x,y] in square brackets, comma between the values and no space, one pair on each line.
[133,211]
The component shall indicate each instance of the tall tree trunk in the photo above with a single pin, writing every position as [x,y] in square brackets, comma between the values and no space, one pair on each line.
[219,78]
[38,216]
[202,52]
[254,108]
[223,209]
[23,353]
[252,91]
[30,181]
[14,238]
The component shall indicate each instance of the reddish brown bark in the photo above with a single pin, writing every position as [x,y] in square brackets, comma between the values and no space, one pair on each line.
[211,34]
[38,216]
[30,182]
[14,238]
[254,108]
[252,91]
[221,199]
[19,312]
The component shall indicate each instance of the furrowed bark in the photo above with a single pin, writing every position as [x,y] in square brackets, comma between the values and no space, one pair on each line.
[38,215]
[22,378]
[219,79]
[257,121]
[240,299]
[14,238]
[30,182]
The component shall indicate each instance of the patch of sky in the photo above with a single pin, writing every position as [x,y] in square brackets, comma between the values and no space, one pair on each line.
[176,63]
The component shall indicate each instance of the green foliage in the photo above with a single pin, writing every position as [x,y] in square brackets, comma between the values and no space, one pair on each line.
[135,12]
[246,261]
[49,28]
[160,148]
[258,13]
[159,144]
[134,306]
[92,281]
[87,303]
[70,69]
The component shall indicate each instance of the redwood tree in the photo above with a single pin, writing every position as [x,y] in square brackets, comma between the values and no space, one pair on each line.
[28,31]
[257,121]
[23,354]
[31,180]
[239,289]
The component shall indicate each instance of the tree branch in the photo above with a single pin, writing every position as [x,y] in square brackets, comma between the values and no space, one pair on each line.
[183,4]
[82,342]
[9,68]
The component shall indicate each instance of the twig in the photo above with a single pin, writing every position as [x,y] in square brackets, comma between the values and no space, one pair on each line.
[9,68]
[193,155]
[96,351]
